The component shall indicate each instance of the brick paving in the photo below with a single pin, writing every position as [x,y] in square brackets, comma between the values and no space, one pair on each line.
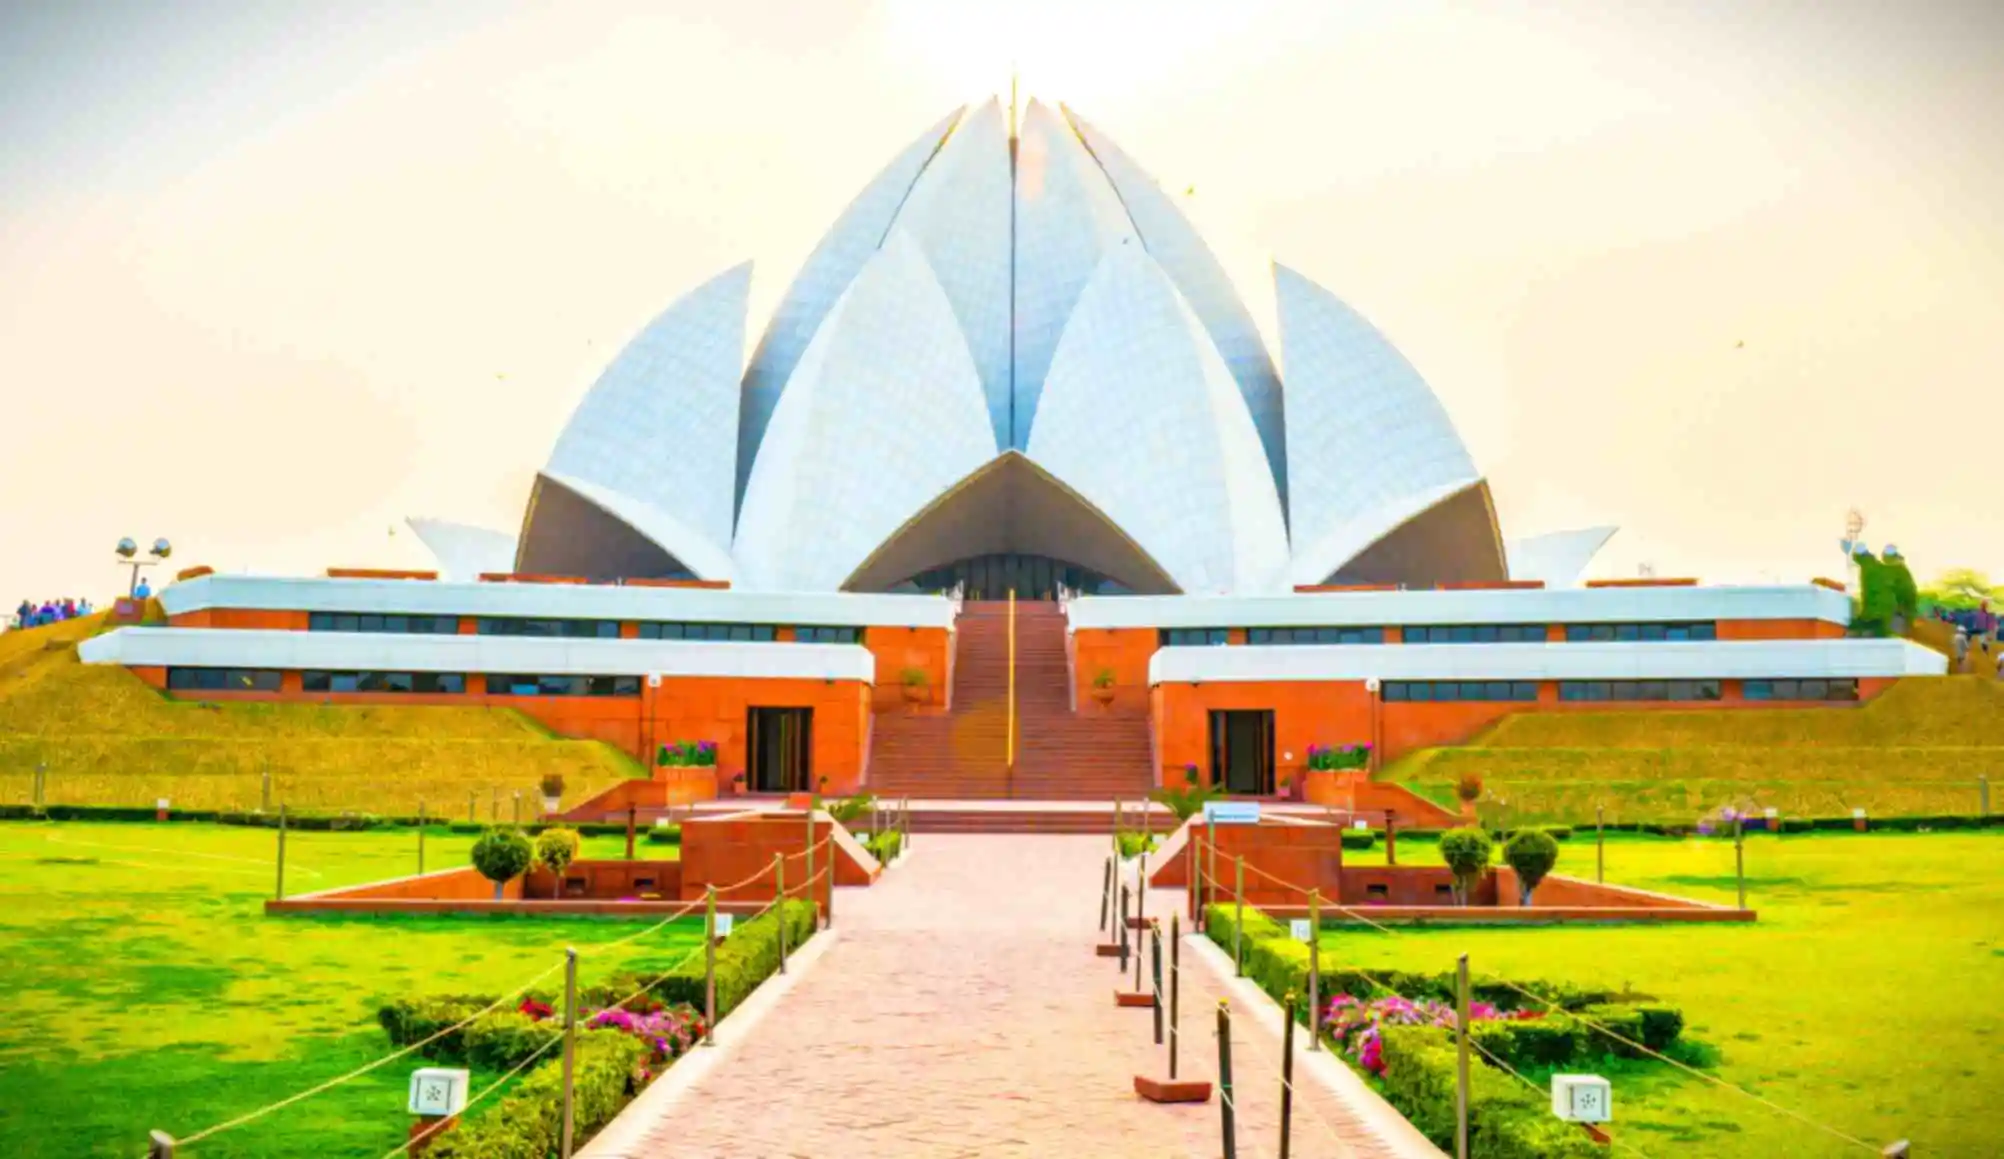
[962,1013]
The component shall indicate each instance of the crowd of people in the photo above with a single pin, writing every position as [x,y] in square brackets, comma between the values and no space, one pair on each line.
[33,615]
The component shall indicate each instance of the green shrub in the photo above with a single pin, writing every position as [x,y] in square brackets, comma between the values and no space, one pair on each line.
[747,957]
[501,855]
[1614,1031]
[665,835]
[1466,852]
[412,1020]
[1532,853]
[467,827]
[1661,1025]
[1559,832]
[1359,839]
[886,846]
[1506,1119]
[505,1038]
[1796,825]
[556,849]
[528,1123]
[1133,844]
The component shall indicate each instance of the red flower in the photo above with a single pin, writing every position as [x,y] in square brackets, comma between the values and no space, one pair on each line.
[537,1011]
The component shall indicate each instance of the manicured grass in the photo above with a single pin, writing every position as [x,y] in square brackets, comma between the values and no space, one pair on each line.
[148,990]
[107,739]
[1864,998]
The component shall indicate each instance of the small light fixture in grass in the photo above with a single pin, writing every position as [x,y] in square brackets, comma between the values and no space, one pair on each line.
[1466,852]
[502,855]
[1532,853]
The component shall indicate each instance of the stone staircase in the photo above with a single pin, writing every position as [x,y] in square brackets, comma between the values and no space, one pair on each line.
[962,754]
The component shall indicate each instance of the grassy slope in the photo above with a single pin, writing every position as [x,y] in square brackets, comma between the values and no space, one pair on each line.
[1858,999]
[1917,749]
[108,739]
[147,989]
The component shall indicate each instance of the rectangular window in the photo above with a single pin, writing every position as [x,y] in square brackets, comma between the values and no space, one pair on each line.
[395,624]
[1603,633]
[1639,690]
[516,684]
[1466,691]
[1194,637]
[1343,634]
[566,629]
[740,633]
[1813,689]
[425,682]
[222,680]
[823,635]
[1474,634]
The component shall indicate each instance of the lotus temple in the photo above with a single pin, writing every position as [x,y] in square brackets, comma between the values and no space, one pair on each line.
[1010,499]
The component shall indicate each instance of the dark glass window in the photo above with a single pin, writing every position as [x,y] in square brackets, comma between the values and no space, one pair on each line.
[531,685]
[1473,634]
[1602,633]
[1437,691]
[1194,637]
[569,629]
[825,635]
[395,624]
[1639,690]
[1813,689]
[429,682]
[670,630]
[1323,635]
[222,680]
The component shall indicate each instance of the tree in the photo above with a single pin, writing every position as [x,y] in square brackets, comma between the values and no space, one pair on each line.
[1906,594]
[502,855]
[1466,852]
[555,850]
[1878,595]
[1962,589]
[1532,853]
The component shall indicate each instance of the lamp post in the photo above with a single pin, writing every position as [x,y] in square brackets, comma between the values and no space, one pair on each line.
[128,552]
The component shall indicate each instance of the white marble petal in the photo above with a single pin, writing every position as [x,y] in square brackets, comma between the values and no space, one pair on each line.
[959,214]
[1557,558]
[704,557]
[462,550]
[1368,444]
[1141,416]
[883,413]
[1180,250]
[1067,218]
[827,272]
[660,424]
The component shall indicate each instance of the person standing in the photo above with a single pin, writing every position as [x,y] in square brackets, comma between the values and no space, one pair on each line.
[1961,650]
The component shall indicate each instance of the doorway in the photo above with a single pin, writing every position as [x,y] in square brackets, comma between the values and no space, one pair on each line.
[779,748]
[1242,751]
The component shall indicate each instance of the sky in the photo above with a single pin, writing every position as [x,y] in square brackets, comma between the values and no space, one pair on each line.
[274,276]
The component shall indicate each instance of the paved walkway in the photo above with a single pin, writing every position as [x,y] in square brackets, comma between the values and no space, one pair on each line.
[961,1013]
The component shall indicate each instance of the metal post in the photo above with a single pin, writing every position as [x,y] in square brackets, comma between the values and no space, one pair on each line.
[1315,969]
[1225,1078]
[570,1045]
[1461,1058]
[1106,894]
[632,821]
[710,965]
[1141,891]
[1138,956]
[265,801]
[1740,857]
[1191,865]
[518,806]
[281,853]
[1211,839]
[1123,929]
[471,798]
[1286,1073]
[1239,921]
[420,837]
[494,805]
[1599,846]
[779,903]
[1175,987]
[808,884]
[159,1145]
[1983,796]
[42,791]
[1116,826]
[1155,954]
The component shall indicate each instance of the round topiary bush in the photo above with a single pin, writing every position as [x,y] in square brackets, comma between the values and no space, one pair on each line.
[1466,852]
[1532,853]
[502,855]
[555,850]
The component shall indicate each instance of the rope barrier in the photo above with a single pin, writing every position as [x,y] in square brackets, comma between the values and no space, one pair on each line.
[1506,1068]
[489,1089]
[358,1072]
[1550,1006]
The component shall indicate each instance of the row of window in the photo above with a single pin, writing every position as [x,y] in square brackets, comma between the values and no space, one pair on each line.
[451,683]
[355,622]
[1446,634]
[1638,690]
[1800,689]
[447,682]
[518,685]
[573,629]
[222,680]
[1435,691]
[1601,633]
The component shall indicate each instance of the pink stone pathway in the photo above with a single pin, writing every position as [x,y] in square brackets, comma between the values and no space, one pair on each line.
[961,1013]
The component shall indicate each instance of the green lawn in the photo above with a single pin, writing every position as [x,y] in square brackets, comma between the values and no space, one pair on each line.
[149,991]
[1862,999]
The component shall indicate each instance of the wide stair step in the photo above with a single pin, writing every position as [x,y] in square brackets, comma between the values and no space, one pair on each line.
[963,754]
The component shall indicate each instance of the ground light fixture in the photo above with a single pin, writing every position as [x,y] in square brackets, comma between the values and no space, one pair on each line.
[128,556]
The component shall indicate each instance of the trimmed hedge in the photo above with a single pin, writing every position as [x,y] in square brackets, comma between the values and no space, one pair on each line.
[747,957]
[664,835]
[412,1020]
[1359,838]
[505,1038]
[528,1123]
[1506,1119]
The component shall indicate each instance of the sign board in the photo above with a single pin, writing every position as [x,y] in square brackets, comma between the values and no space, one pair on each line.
[1231,812]
[438,1091]
[1582,1098]
[1298,927]
[724,924]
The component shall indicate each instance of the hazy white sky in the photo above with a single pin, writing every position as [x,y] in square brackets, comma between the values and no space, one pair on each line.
[273,276]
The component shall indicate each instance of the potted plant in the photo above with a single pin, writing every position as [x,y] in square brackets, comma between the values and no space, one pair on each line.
[1102,687]
[917,685]
[553,792]
[1468,790]
[737,784]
